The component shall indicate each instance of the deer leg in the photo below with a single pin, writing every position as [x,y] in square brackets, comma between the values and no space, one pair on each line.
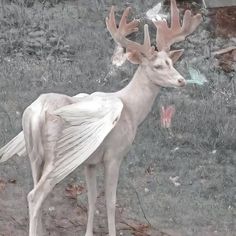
[111,180]
[90,173]
[36,166]
[33,144]
[35,200]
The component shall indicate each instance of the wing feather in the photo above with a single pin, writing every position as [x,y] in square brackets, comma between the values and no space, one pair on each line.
[15,147]
[87,123]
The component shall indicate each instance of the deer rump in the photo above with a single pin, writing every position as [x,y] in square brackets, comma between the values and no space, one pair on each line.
[86,124]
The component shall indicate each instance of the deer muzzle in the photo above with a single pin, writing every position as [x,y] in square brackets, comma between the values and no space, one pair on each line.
[181,82]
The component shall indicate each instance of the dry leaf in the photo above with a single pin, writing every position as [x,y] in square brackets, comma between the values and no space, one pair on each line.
[149,170]
[73,190]
[138,229]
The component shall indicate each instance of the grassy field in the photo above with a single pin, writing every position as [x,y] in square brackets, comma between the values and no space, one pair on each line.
[63,46]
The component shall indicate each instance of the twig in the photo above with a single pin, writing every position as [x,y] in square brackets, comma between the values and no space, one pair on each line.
[74,223]
[140,204]
[17,222]
[224,50]
[129,226]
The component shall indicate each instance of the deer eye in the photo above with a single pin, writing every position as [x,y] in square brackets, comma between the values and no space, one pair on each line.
[158,67]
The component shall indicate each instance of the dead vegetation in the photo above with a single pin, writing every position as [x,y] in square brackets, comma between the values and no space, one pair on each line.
[224,20]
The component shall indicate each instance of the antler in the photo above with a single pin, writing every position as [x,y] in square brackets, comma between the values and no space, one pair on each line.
[119,33]
[166,36]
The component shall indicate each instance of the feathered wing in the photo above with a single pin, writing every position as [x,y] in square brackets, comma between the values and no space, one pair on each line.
[15,147]
[87,123]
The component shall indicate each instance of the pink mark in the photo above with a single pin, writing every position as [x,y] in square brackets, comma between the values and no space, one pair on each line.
[166,115]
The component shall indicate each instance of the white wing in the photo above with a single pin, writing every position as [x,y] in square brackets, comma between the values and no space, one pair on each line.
[15,147]
[87,123]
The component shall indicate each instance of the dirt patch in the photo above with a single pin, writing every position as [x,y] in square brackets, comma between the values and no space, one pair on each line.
[224,20]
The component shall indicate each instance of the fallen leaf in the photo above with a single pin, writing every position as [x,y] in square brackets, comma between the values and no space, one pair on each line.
[73,190]
[138,229]
[149,170]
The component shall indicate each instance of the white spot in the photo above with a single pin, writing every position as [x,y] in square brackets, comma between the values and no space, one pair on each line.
[213,152]
[175,149]
[51,209]
[80,95]
[174,180]
[7,59]
[154,15]
[44,78]
[119,57]
[146,190]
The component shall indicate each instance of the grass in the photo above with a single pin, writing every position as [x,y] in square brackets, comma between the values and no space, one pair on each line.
[78,61]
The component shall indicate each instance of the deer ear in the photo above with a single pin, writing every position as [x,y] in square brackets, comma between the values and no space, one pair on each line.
[134,57]
[176,54]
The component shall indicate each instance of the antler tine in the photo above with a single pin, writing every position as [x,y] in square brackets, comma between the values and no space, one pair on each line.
[147,42]
[166,36]
[175,22]
[111,21]
[119,34]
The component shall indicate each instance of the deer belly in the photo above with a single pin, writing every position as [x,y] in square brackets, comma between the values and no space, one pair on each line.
[96,157]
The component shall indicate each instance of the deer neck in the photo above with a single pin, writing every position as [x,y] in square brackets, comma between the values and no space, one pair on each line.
[139,96]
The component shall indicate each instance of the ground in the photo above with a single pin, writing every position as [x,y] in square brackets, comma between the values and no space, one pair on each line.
[173,182]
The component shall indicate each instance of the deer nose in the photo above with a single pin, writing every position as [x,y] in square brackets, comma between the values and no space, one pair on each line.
[181,82]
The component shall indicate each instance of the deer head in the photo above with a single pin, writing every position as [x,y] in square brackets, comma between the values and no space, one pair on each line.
[156,64]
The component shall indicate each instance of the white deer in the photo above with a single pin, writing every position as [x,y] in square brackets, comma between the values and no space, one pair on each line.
[61,132]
